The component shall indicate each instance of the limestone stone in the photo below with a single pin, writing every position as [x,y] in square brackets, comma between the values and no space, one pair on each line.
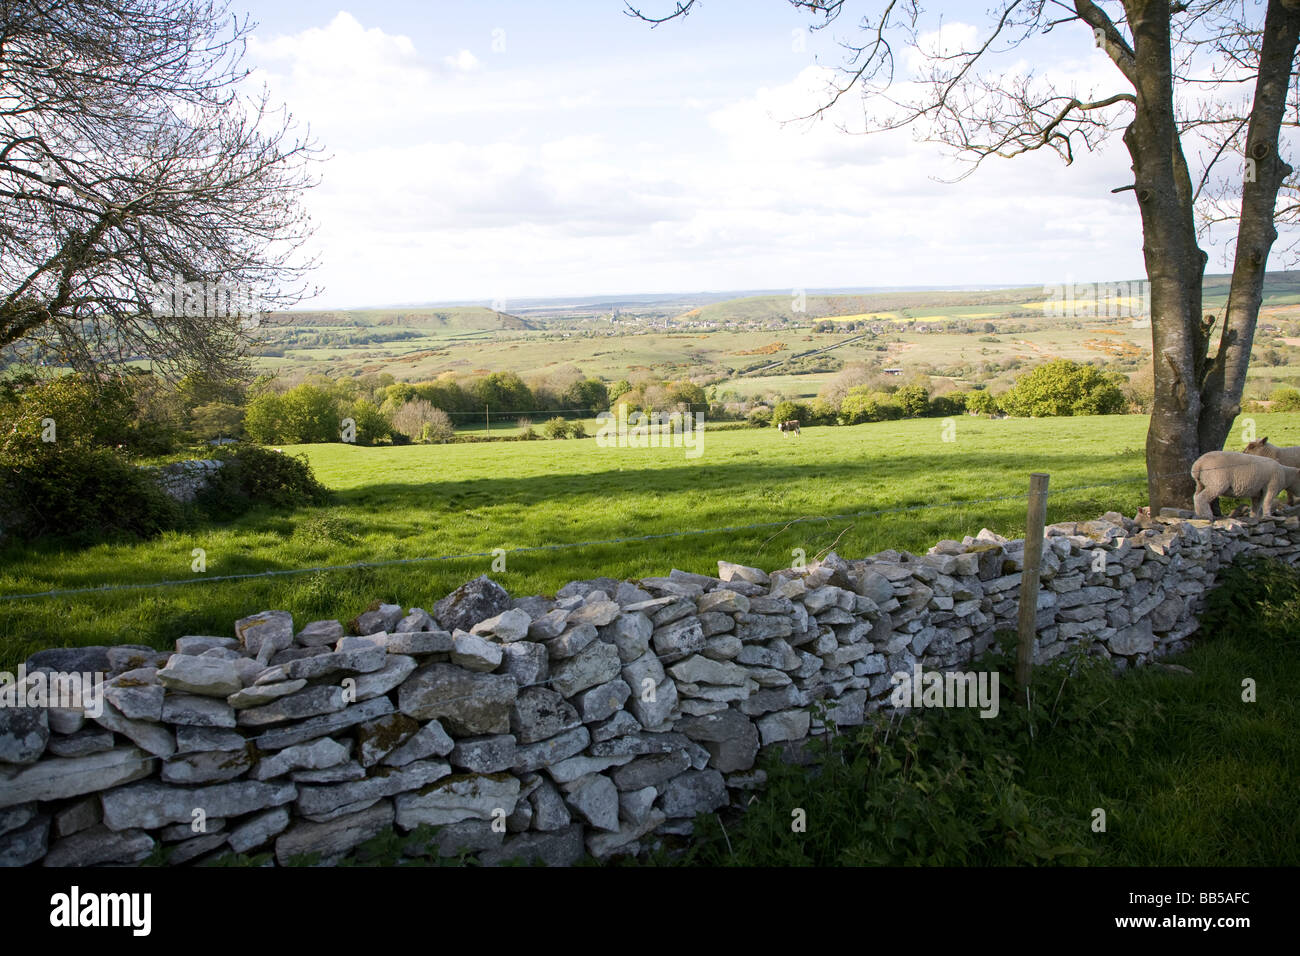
[630,632]
[260,694]
[330,840]
[26,843]
[213,766]
[314,727]
[154,738]
[527,662]
[206,676]
[489,754]
[551,751]
[508,626]
[377,738]
[259,830]
[310,702]
[596,801]
[474,653]
[24,732]
[458,797]
[730,737]
[693,792]
[265,633]
[380,620]
[597,664]
[329,802]
[539,713]
[419,642]
[429,741]
[317,755]
[195,711]
[149,805]
[320,634]
[380,682]
[475,601]
[99,845]
[468,703]
[603,701]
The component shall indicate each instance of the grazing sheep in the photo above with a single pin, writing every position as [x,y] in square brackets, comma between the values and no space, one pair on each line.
[1288,455]
[1242,476]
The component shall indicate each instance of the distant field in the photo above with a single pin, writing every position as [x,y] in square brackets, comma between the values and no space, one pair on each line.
[414,501]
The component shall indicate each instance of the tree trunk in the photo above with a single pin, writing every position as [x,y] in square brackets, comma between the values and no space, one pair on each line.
[1175,263]
[1225,378]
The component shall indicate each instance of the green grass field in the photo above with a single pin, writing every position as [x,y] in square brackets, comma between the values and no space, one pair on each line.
[434,500]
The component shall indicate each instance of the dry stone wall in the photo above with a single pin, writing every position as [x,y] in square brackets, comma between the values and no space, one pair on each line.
[183,480]
[535,728]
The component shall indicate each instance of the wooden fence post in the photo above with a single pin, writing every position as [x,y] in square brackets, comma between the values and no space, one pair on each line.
[1028,629]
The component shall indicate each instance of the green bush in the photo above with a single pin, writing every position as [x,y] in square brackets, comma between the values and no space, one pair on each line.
[1285,399]
[83,493]
[981,402]
[252,476]
[556,428]
[73,412]
[788,411]
[861,404]
[942,406]
[914,400]
[1064,387]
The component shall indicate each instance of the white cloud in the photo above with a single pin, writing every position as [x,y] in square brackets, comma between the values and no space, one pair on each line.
[457,178]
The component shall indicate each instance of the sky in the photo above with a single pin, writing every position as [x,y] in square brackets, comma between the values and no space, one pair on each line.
[495,150]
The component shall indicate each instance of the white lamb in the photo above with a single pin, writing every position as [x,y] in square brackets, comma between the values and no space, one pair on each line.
[1242,476]
[1288,455]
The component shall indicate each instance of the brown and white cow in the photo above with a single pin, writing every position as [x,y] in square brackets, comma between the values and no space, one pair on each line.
[787,427]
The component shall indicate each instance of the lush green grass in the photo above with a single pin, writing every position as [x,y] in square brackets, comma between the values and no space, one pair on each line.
[434,500]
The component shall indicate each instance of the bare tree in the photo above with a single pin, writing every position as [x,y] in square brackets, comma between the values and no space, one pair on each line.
[1202,71]
[149,206]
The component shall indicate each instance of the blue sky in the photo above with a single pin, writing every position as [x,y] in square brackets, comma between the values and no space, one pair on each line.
[491,150]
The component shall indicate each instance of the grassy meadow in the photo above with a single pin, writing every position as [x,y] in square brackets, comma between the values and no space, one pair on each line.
[401,503]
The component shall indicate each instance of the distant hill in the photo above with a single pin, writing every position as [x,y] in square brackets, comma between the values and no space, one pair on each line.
[1280,288]
[466,318]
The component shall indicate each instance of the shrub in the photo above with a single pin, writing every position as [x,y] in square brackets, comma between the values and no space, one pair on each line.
[1063,387]
[371,425]
[862,404]
[982,402]
[954,403]
[577,430]
[556,428]
[914,400]
[787,411]
[110,413]
[419,420]
[81,493]
[760,417]
[252,476]
[526,430]
[1285,399]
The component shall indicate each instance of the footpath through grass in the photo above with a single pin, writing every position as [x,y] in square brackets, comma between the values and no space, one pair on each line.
[417,501]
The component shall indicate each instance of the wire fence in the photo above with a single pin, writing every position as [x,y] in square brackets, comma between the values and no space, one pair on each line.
[562,546]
